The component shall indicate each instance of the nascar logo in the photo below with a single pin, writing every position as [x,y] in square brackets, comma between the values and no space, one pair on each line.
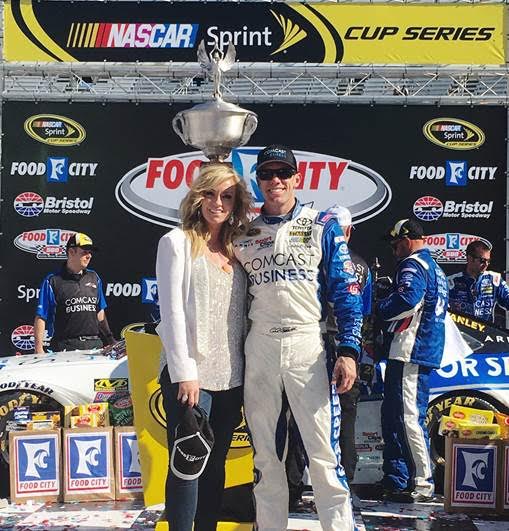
[154,191]
[131,35]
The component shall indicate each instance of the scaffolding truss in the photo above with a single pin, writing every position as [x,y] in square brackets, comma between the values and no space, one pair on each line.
[257,83]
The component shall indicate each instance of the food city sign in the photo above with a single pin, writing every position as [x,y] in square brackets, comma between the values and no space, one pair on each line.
[45,243]
[450,247]
[153,191]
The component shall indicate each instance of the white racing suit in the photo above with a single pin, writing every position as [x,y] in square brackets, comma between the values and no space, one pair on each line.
[296,266]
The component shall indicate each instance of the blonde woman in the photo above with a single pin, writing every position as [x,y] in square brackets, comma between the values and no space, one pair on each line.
[202,297]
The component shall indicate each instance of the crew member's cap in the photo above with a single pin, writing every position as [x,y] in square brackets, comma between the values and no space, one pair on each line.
[406,228]
[342,214]
[276,153]
[78,239]
[193,443]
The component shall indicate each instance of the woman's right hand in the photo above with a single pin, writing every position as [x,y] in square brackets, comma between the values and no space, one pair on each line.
[189,392]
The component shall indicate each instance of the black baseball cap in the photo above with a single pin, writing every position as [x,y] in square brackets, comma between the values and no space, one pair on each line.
[276,153]
[79,239]
[405,228]
[193,444]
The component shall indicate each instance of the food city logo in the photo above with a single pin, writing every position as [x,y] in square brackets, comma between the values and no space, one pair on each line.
[31,204]
[240,438]
[474,475]
[45,243]
[22,337]
[451,247]
[55,130]
[56,169]
[87,463]
[37,464]
[147,289]
[453,173]
[153,191]
[130,470]
[429,208]
[453,133]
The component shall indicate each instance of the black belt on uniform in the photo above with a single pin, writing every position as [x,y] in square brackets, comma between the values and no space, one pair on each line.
[78,338]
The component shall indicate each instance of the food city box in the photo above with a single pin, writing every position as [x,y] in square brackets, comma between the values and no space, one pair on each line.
[128,485]
[503,490]
[88,464]
[35,465]
[471,475]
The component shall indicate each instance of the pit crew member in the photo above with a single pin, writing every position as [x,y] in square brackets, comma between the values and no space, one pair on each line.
[415,312]
[71,303]
[477,291]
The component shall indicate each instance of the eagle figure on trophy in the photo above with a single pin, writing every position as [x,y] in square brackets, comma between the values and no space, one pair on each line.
[216,63]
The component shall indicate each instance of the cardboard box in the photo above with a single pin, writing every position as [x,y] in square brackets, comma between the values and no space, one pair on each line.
[503,491]
[471,475]
[128,483]
[88,464]
[35,465]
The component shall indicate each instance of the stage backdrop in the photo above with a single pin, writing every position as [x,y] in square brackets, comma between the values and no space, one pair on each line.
[275,31]
[118,173]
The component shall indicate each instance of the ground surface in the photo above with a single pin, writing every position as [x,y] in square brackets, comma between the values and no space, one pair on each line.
[373,516]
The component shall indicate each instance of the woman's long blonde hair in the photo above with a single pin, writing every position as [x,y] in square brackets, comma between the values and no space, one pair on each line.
[193,223]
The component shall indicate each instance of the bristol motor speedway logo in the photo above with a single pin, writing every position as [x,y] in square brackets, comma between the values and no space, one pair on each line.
[31,204]
[153,191]
[451,247]
[429,208]
[22,337]
[88,460]
[45,243]
[37,467]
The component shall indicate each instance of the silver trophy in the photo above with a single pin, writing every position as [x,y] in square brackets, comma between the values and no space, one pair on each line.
[215,127]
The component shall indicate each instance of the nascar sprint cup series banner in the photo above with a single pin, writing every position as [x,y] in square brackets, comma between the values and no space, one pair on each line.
[293,32]
[118,173]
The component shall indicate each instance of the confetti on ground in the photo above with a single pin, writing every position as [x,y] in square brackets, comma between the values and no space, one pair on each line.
[96,519]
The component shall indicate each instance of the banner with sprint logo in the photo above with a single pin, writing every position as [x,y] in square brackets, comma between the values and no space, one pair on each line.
[118,173]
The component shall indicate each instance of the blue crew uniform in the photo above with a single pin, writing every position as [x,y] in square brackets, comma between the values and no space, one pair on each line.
[416,312]
[69,304]
[478,297]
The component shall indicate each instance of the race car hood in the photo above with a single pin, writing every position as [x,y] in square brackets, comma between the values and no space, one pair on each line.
[69,377]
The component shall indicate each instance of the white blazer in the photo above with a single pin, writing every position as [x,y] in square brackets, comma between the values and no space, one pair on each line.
[183,309]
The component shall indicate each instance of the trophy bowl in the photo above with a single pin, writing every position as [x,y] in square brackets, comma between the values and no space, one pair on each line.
[215,127]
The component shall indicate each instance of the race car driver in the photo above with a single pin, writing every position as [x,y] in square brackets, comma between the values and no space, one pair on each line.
[297,260]
[71,303]
[477,291]
[415,312]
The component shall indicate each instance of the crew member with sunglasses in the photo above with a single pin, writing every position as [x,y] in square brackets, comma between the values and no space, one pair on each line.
[71,303]
[415,315]
[297,263]
[476,291]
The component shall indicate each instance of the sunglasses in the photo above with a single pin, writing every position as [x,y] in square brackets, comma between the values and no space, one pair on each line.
[281,173]
[482,260]
[394,243]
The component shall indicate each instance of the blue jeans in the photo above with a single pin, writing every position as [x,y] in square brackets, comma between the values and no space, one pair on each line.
[199,500]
